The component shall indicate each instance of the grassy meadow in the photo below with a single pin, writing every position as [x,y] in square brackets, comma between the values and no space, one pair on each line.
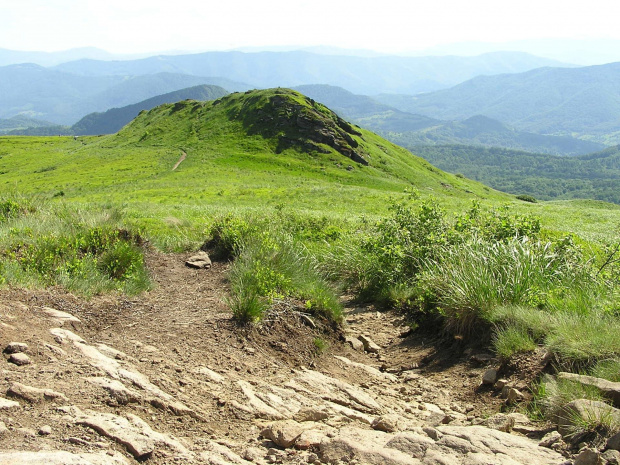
[303,221]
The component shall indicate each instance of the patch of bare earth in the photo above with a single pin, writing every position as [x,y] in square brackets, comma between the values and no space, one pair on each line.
[168,377]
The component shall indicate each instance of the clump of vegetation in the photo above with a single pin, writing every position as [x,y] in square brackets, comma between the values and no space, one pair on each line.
[526,198]
[270,265]
[54,245]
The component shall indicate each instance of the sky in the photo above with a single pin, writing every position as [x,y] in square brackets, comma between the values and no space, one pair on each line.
[389,26]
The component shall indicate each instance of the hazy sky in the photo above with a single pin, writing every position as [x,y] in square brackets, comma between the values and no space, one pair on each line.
[133,26]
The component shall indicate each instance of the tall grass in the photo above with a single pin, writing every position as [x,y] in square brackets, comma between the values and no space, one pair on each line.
[271,264]
[87,252]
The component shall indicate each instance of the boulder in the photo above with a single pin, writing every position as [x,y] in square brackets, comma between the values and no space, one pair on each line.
[20,359]
[588,457]
[490,376]
[35,395]
[199,261]
[369,345]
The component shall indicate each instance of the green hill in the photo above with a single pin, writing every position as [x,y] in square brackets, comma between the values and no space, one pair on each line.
[255,148]
[581,102]
[114,119]
[21,122]
[591,176]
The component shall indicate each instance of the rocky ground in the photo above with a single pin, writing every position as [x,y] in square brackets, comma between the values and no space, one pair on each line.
[167,377]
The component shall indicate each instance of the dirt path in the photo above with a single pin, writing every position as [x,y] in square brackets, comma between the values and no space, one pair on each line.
[167,376]
[183,157]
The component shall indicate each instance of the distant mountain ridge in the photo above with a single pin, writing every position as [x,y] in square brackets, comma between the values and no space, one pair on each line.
[114,119]
[64,98]
[410,129]
[582,102]
[366,75]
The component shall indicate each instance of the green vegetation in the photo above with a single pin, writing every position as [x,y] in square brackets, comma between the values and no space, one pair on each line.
[45,245]
[307,205]
[593,176]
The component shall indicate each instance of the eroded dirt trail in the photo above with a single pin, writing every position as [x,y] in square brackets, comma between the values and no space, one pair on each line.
[168,378]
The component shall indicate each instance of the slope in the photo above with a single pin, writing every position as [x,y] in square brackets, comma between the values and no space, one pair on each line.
[411,129]
[581,101]
[367,75]
[255,149]
[114,119]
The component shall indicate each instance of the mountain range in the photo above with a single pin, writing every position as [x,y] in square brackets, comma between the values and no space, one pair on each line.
[580,102]
[366,75]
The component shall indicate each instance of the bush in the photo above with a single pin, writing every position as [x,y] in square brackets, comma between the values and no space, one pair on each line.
[526,198]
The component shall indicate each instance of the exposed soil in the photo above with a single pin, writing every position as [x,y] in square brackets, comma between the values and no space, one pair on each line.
[184,324]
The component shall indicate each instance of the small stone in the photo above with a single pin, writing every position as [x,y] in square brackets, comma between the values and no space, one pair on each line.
[16,347]
[513,396]
[45,430]
[490,376]
[614,442]
[310,414]
[588,457]
[199,261]
[500,422]
[501,383]
[550,439]
[369,345]
[6,404]
[20,359]
[611,457]
[355,343]
[3,428]
[387,423]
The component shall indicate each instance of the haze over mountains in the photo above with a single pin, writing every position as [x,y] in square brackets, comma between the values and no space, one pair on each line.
[458,104]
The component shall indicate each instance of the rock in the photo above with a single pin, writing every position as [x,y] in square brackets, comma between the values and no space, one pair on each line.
[210,374]
[117,390]
[60,317]
[369,345]
[57,351]
[611,457]
[550,439]
[589,411]
[614,442]
[283,433]
[131,432]
[16,347]
[513,396]
[411,443]
[60,458]
[607,388]
[364,446]
[355,343]
[368,369]
[588,457]
[45,430]
[6,404]
[490,376]
[20,359]
[500,422]
[3,429]
[310,414]
[35,395]
[501,383]
[310,439]
[199,261]
[388,423]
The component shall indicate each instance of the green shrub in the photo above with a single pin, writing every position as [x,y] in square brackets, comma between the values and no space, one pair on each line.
[228,233]
[526,198]
[513,340]
[122,261]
